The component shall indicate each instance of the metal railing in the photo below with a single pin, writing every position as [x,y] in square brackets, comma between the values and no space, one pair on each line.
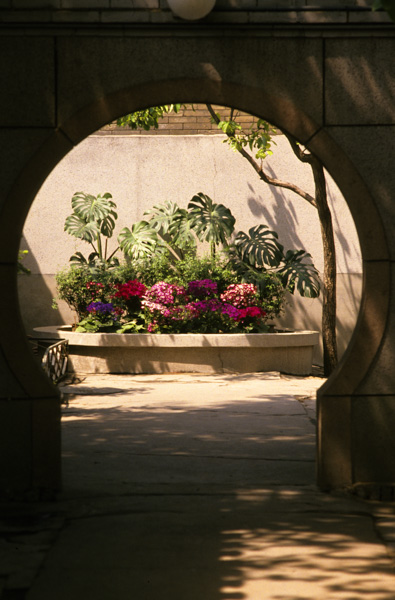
[53,357]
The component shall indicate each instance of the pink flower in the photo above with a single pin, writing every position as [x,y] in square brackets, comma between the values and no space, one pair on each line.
[240,295]
[166,293]
[151,327]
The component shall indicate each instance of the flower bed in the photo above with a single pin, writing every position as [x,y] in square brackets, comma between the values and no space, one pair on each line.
[165,309]
[288,352]
[169,328]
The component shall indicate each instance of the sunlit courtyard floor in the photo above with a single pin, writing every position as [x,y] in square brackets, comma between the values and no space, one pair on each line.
[202,487]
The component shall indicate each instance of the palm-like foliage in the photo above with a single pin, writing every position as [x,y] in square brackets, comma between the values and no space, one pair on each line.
[92,207]
[213,223]
[181,230]
[80,228]
[298,274]
[259,252]
[140,241]
[162,216]
[93,218]
[96,209]
[260,247]
[256,257]
[169,220]
[93,262]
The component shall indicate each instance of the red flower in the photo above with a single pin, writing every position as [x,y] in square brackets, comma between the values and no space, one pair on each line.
[250,311]
[130,289]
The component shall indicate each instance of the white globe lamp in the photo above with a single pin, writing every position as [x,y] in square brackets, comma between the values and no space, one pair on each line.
[191,9]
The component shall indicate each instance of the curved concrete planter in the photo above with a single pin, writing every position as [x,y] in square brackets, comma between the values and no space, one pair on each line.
[289,352]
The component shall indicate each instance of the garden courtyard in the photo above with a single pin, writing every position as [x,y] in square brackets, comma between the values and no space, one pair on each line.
[209,486]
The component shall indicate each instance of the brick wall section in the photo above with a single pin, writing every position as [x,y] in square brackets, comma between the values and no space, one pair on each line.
[188,121]
[115,12]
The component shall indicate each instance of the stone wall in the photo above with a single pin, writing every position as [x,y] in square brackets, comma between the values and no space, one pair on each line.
[157,12]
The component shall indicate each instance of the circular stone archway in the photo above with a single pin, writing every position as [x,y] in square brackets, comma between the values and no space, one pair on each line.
[33,414]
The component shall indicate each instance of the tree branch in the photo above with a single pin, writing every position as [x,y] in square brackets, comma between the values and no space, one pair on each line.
[261,173]
[297,150]
[320,202]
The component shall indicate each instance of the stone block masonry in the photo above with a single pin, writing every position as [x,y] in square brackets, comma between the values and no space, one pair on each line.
[140,12]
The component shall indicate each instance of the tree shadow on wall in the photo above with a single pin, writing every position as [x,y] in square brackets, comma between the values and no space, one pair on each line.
[303,313]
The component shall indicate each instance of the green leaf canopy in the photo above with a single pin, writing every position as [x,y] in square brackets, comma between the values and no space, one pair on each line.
[162,216]
[92,208]
[259,251]
[80,228]
[172,224]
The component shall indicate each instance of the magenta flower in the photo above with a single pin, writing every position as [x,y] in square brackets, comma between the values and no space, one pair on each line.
[230,311]
[251,311]
[202,288]
[209,305]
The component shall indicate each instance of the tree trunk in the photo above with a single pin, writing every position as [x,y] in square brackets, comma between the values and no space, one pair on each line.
[319,201]
[329,292]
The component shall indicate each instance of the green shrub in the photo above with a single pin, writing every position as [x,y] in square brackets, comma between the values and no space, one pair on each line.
[78,286]
[72,287]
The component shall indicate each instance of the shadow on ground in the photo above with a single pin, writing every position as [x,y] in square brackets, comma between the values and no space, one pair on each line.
[205,490]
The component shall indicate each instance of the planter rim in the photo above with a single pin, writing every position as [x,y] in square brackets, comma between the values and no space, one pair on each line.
[234,340]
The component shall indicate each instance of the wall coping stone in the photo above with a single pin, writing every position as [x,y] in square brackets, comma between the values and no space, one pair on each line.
[288,352]
[226,340]
[98,12]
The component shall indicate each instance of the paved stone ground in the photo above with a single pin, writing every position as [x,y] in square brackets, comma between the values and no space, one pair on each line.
[195,487]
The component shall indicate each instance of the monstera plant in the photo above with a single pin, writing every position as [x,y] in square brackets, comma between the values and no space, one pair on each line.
[93,221]
[174,232]
[252,255]
[167,231]
[213,223]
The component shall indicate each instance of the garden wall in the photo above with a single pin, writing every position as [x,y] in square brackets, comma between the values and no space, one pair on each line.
[141,170]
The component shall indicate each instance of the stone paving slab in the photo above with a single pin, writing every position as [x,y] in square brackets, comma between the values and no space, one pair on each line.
[224,547]
[202,472]
[26,535]
[191,389]
[187,487]
[254,447]
[230,434]
[189,429]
